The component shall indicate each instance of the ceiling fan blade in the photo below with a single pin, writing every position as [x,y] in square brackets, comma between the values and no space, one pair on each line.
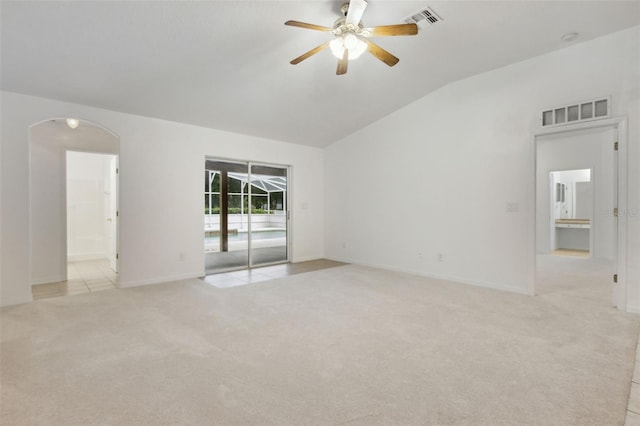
[307,26]
[381,54]
[393,30]
[309,53]
[343,63]
[356,9]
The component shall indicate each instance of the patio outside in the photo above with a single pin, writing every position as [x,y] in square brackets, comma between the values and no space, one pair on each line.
[256,218]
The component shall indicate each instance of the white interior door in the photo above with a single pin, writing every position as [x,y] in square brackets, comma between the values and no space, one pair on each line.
[112,219]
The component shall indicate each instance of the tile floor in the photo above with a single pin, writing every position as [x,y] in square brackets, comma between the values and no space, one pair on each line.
[570,252]
[83,277]
[91,276]
[248,276]
[215,262]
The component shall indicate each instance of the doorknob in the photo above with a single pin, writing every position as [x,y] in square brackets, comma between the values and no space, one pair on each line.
[108,219]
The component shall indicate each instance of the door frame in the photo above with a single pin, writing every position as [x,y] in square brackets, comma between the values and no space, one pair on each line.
[115,207]
[85,144]
[63,206]
[249,164]
[287,217]
[619,124]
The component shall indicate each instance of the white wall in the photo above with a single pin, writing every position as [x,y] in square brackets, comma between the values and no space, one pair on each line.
[457,167]
[87,205]
[161,203]
[47,230]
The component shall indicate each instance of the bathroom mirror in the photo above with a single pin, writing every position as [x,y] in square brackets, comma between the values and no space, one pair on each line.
[573,195]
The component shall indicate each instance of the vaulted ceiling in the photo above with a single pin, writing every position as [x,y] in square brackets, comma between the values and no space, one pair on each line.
[225,64]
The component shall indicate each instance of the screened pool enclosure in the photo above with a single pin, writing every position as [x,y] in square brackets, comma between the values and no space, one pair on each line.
[245,215]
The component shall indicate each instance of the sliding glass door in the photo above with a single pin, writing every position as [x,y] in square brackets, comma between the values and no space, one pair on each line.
[268,214]
[223,218]
[245,215]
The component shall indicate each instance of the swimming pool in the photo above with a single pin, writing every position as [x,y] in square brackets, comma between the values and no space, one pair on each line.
[258,234]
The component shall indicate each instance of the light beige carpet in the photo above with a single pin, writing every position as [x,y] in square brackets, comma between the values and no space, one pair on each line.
[344,346]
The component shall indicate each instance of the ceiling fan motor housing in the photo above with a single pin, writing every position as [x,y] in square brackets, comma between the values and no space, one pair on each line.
[340,27]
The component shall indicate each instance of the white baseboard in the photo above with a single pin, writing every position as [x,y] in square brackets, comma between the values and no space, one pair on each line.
[48,280]
[490,285]
[10,301]
[633,309]
[452,278]
[306,259]
[158,280]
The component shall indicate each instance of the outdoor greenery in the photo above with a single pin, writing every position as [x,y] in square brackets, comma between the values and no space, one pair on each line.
[261,202]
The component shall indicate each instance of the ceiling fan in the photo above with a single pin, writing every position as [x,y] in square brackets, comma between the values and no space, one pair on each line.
[352,38]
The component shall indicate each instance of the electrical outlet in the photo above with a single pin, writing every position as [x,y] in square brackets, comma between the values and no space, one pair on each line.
[513,207]
[420,256]
[440,257]
[181,256]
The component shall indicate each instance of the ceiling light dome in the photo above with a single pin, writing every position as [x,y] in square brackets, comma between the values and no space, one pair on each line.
[349,41]
[73,122]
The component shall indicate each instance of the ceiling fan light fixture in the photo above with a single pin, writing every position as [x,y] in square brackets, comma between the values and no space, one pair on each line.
[351,42]
[351,38]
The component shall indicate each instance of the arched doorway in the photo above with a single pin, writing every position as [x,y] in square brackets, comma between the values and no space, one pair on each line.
[73,201]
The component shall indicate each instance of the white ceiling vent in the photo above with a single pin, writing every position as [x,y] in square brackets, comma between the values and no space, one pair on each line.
[424,18]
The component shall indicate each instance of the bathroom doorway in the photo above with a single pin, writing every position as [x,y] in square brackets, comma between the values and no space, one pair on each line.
[92,218]
[560,156]
[571,212]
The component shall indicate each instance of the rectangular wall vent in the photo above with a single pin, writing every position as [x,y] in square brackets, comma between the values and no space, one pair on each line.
[577,112]
[424,18]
